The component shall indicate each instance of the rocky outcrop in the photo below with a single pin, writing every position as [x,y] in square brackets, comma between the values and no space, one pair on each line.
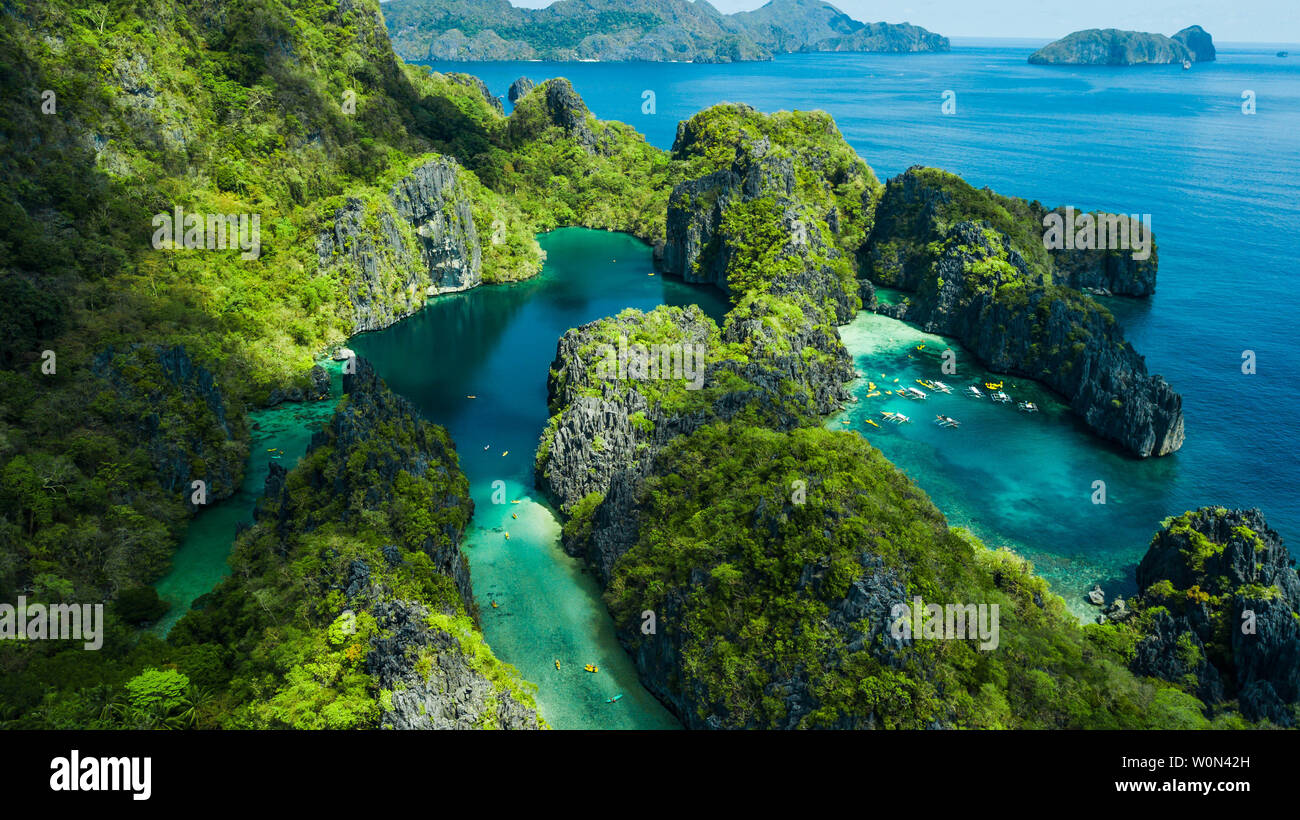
[1199,42]
[173,410]
[429,678]
[1106,271]
[1115,47]
[394,253]
[379,471]
[394,439]
[481,87]
[699,247]
[317,389]
[968,280]
[605,434]
[557,104]
[519,88]
[1222,606]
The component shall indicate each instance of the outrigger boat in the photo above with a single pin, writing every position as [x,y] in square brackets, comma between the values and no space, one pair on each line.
[1028,407]
[896,418]
[941,387]
[946,421]
[913,393]
[974,391]
[1001,398]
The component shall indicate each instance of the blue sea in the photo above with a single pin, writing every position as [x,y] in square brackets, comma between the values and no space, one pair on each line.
[1223,191]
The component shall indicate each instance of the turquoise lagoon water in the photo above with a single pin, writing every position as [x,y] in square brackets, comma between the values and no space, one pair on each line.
[201,560]
[496,343]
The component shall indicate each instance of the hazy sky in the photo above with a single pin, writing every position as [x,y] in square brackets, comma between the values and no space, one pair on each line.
[1268,21]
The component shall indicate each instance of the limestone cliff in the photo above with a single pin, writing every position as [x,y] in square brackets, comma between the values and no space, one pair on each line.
[173,410]
[394,252]
[1219,612]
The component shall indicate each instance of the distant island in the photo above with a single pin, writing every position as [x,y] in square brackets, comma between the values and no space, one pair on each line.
[1112,46]
[636,30]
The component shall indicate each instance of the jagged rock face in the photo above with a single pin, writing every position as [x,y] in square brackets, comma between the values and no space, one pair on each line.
[698,248]
[433,201]
[1244,617]
[1106,272]
[568,111]
[1052,334]
[570,468]
[372,409]
[519,88]
[1074,347]
[317,389]
[449,694]
[481,87]
[209,444]
[389,279]
[1199,42]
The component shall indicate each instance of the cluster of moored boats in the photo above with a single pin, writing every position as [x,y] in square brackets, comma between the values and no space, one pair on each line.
[917,394]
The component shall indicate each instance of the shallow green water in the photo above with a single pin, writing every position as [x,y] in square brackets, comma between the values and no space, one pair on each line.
[200,561]
[1019,480]
[496,343]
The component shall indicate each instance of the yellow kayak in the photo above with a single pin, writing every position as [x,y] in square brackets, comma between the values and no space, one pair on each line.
[872,423]
[506,453]
[557,663]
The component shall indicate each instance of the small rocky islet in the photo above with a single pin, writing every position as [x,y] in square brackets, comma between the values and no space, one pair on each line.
[1115,47]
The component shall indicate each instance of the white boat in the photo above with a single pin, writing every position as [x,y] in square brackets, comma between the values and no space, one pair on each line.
[913,393]
[1001,398]
[1028,407]
[946,421]
[1187,64]
[974,391]
[896,418]
[942,388]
